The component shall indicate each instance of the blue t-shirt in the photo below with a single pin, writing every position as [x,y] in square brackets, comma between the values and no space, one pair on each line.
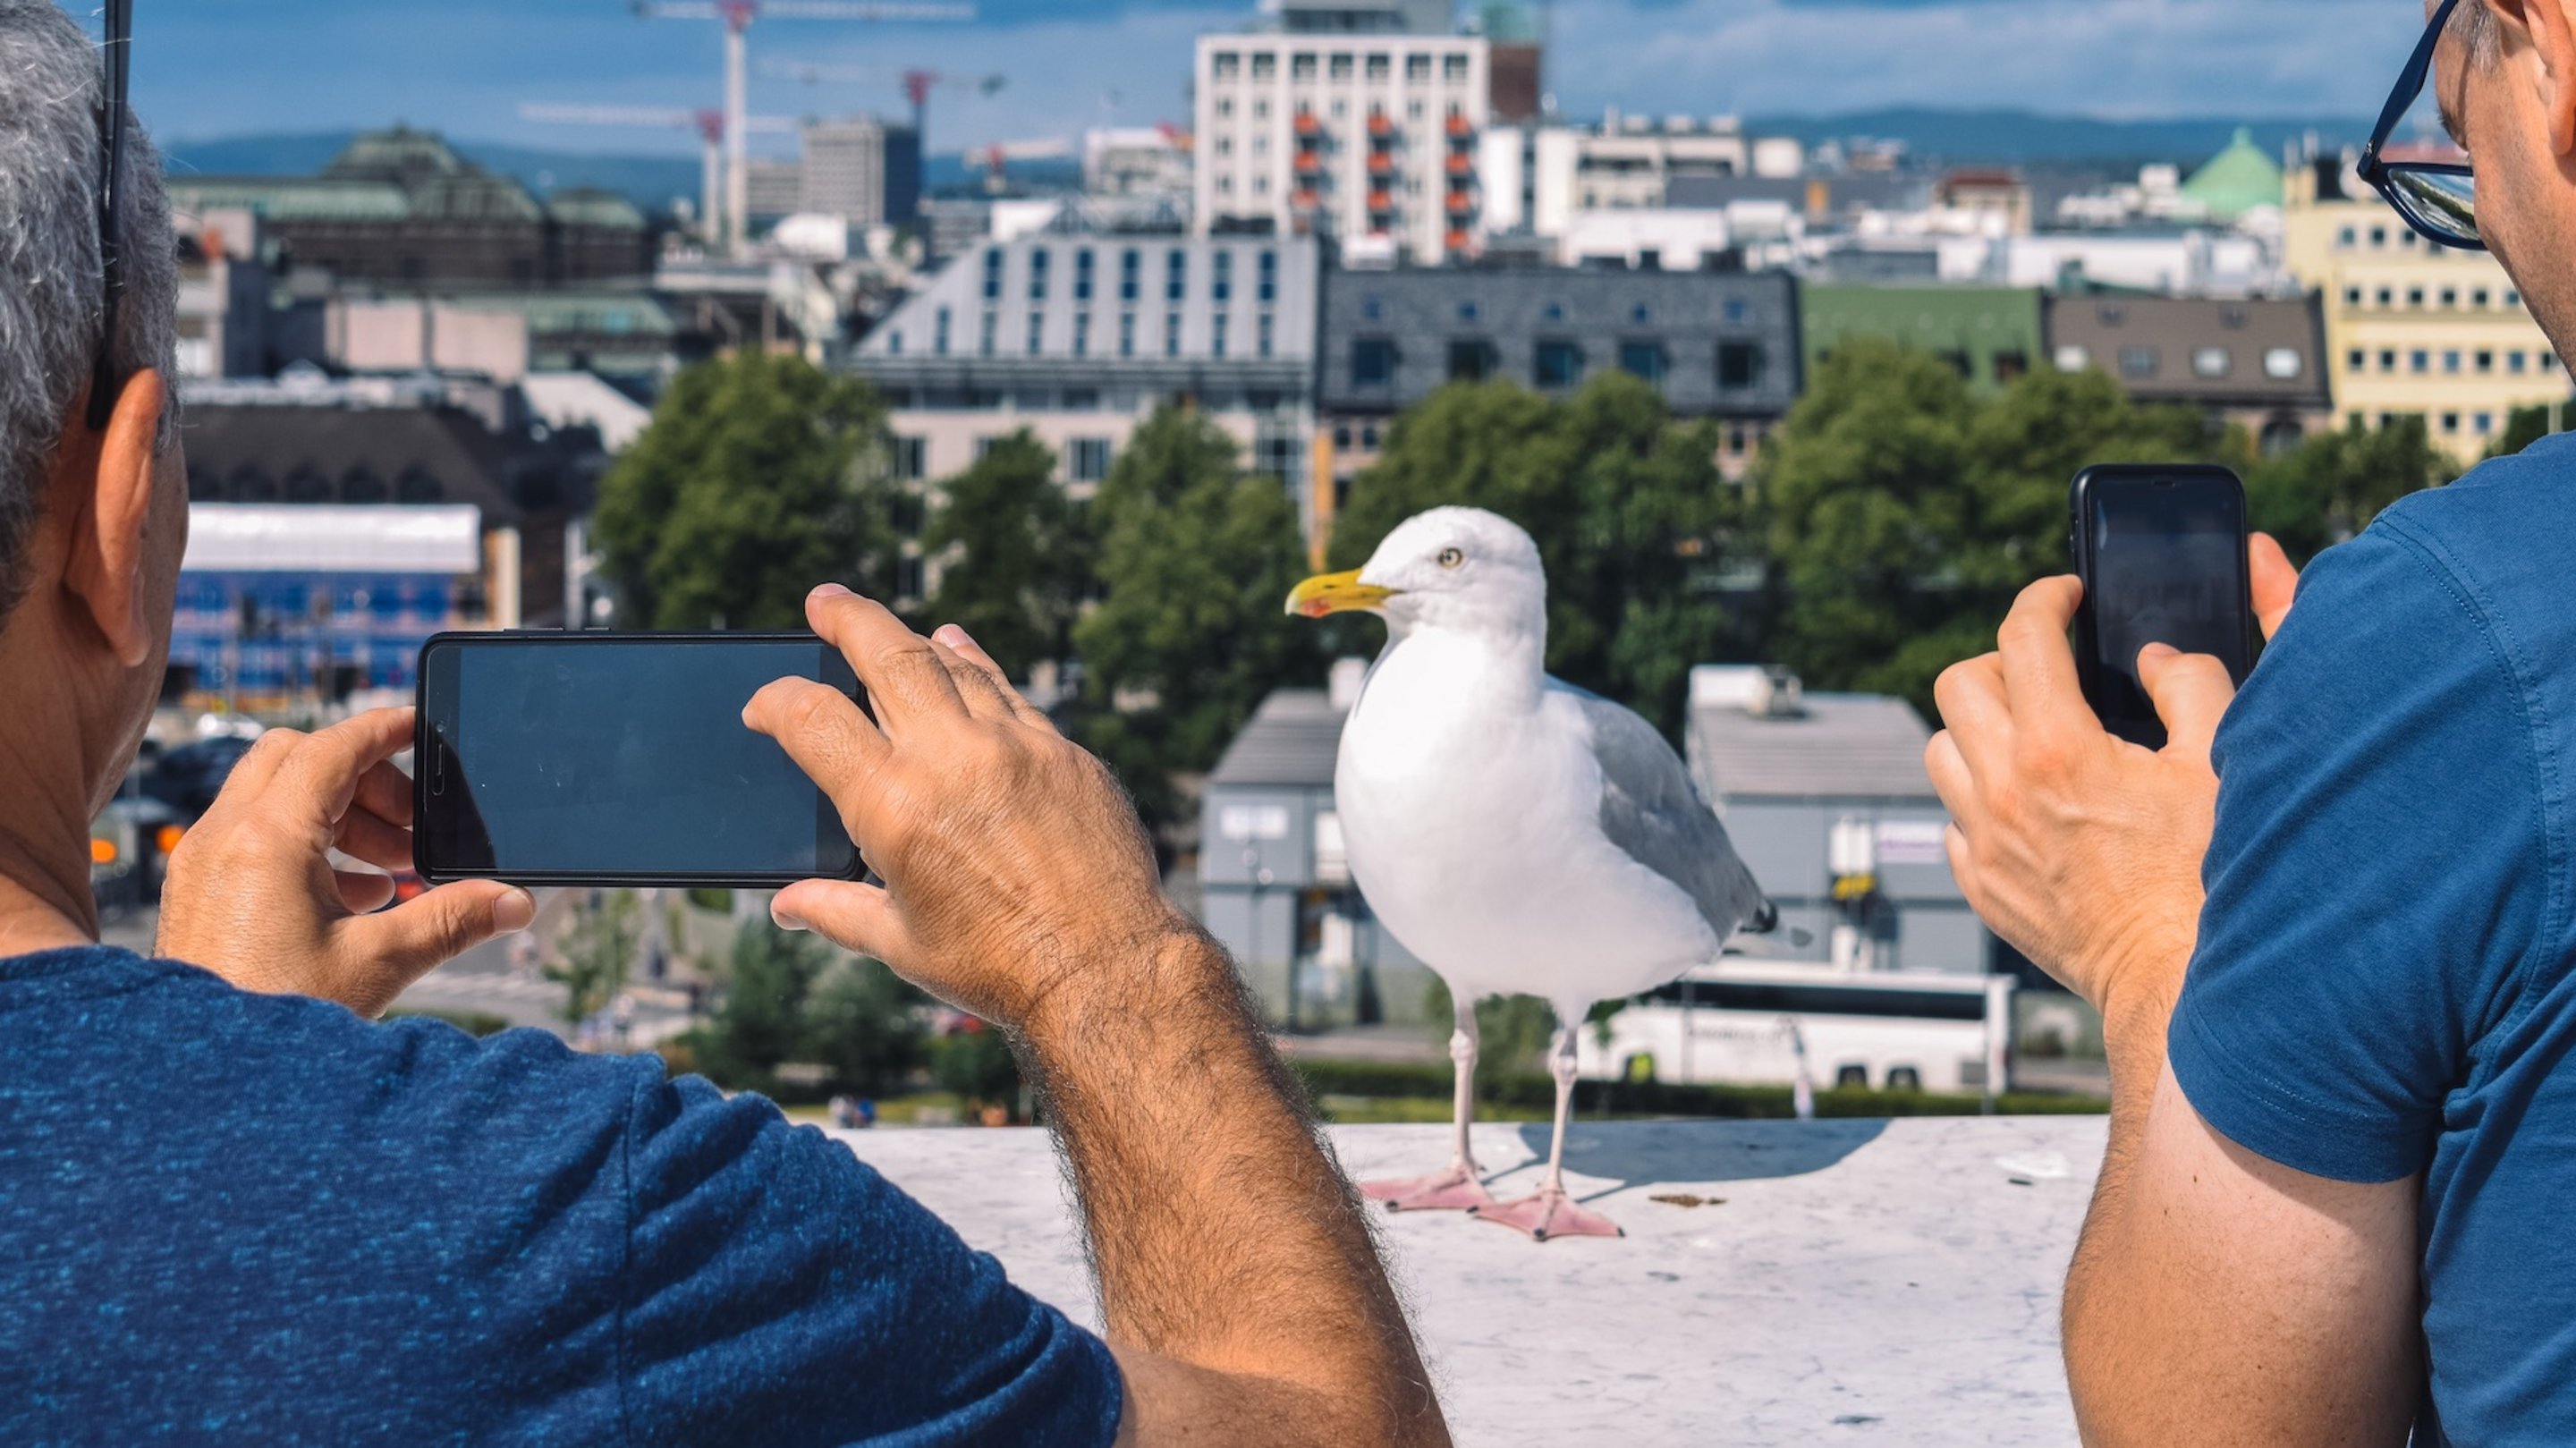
[228,1217]
[2383,984]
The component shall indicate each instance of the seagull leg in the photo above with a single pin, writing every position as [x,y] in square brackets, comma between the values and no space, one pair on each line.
[1461,1185]
[1549,1212]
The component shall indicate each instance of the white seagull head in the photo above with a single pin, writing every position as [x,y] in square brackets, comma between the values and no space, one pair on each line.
[1462,569]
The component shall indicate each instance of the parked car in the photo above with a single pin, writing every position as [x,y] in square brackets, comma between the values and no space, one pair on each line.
[129,849]
[189,777]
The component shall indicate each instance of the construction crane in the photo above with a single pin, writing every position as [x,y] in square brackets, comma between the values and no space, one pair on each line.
[738,16]
[917,84]
[709,124]
[994,158]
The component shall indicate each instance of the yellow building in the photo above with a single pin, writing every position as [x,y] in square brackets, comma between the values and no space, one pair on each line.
[2413,328]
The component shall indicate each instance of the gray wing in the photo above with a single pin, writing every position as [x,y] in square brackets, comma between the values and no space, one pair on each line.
[1650,810]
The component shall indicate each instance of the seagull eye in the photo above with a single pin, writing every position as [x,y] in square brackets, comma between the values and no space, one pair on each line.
[1452,558]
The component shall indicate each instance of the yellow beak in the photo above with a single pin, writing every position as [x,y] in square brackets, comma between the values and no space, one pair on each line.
[1336,593]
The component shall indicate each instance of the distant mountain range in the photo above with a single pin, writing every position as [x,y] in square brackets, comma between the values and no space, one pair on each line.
[2013,137]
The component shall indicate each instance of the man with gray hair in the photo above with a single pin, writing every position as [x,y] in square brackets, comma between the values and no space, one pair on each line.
[234,1208]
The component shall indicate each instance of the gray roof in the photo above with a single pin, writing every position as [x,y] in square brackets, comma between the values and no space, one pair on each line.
[1292,739]
[1843,746]
[2153,346]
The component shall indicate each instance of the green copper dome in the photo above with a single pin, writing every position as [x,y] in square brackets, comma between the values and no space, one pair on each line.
[2236,180]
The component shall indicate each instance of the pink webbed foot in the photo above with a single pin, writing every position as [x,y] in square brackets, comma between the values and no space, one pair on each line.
[1456,1189]
[1548,1212]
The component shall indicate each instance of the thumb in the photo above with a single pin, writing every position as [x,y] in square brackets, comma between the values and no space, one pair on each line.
[2191,693]
[859,918]
[398,946]
[2276,581]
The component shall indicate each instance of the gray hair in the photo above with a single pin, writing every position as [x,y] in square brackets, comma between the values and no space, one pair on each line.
[2478,32]
[52,284]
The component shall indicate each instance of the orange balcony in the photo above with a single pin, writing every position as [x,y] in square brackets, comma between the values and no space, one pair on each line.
[1307,125]
[1381,164]
[1381,202]
[1459,130]
[1305,200]
[1460,203]
[1380,124]
[1456,240]
[1460,165]
[1309,162]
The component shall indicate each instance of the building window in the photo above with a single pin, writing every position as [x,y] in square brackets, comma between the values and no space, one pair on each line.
[1221,281]
[1171,334]
[1453,69]
[993,274]
[2212,362]
[1417,67]
[2516,363]
[894,342]
[1373,362]
[2283,364]
[2414,295]
[2419,361]
[1216,336]
[2512,298]
[911,459]
[1228,64]
[1381,66]
[2486,361]
[1739,365]
[2451,361]
[1262,345]
[1127,334]
[2072,358]
[2450,296]
[2450,422]
[1265,66]
[1082,334]
[1342,65]
[2343,238]
[2011,365]
[2481,298]
[2379,236]
[991,333]
[1087,459]
[1037,333]
[2387,297]
[2356,360]
[939,333]
[1301,66]
[1082,275]
[2484,422]
[1737,312]
[1472,360]
[2387,360]
[2139,362]
[1268,289]
[1556,363]
[1131,270]
[1176,275]
[1038,263]
[2352,296]
[1646,360]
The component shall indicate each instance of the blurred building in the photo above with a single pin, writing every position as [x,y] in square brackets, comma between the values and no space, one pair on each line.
[773,187]
[1826,798]
[2414,330]
[1354,119]
[223,302]
[861,170]
[1275,883]
[1989,335]
[1150,162]
[1718,345]
[2255,362]
[402,208]
[1078,335]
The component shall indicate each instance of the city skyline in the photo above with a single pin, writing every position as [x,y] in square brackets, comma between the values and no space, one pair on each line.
[298,66]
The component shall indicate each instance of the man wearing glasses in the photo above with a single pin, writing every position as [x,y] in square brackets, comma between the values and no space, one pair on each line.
[232,1210]
[2333,937]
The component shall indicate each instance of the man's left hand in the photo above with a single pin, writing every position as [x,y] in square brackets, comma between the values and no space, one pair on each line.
[252,894]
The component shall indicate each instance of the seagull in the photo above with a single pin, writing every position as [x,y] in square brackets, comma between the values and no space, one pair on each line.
[1519,835]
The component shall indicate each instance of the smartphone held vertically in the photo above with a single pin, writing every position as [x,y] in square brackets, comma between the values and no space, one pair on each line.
[617,759]
[2161,551]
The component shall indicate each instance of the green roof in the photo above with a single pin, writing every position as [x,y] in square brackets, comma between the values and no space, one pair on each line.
[1995,329]
[2236,180]
[586,313]
[593,206]
[293,198]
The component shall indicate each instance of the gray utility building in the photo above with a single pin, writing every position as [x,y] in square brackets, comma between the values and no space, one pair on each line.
[1718,345]
[1275,884]
[1827,799]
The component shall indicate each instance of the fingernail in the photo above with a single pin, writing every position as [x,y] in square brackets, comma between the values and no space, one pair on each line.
[953,636]
[2158,651]
[829,590]
[783,919]
[514,912]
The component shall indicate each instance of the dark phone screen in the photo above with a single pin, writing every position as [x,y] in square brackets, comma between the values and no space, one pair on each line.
[2167,565]
[621,758]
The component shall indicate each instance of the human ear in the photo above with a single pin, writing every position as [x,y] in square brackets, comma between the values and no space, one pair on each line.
[107,568]
[2549,30]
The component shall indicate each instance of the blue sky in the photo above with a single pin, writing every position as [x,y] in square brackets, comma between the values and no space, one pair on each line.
[213,68]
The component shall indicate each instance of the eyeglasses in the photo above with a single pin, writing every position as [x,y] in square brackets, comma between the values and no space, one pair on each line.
[104,381]
[2437,198]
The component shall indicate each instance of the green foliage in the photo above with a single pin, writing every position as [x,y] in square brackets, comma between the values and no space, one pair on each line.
[2329,488]
[761,1022]
[2522,427]
[759,477]
[1903,515]
[1018,558]
[1196,561]
[1635,526]
[1534,1093]
[864,1022]
[977,1065]
[597,952]
[1512,1034]
[790,997]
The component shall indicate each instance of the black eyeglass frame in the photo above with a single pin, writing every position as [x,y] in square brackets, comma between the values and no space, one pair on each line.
[105,381]
[2382,175]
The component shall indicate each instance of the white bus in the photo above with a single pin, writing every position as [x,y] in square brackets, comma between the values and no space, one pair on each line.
[1784,1023]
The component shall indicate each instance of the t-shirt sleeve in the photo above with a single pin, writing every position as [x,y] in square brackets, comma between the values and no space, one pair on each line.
[779,1291]
[2375,877]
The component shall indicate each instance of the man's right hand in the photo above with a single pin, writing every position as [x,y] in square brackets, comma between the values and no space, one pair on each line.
[1014,866]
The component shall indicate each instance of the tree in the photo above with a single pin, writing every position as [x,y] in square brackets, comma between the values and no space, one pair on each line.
[597,952]
[863,1021]
[2523,427]
[975,1063]
[1015,558]
[1196,561]
[761,1021]
[1638,532]
[759,477]
[2329,488]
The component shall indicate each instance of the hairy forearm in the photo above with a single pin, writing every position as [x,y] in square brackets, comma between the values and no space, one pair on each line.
[1223,1234]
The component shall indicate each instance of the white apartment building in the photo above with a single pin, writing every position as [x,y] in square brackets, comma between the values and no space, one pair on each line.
[1538,179]
[1364,134]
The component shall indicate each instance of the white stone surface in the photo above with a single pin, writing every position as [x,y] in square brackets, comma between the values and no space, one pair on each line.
[1861,1282]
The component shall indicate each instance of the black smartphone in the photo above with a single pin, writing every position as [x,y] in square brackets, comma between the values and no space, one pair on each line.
[2161,551]
[617,759]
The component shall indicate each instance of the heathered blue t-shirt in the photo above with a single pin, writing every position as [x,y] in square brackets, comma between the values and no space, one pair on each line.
[238,1218]
[2386,977]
